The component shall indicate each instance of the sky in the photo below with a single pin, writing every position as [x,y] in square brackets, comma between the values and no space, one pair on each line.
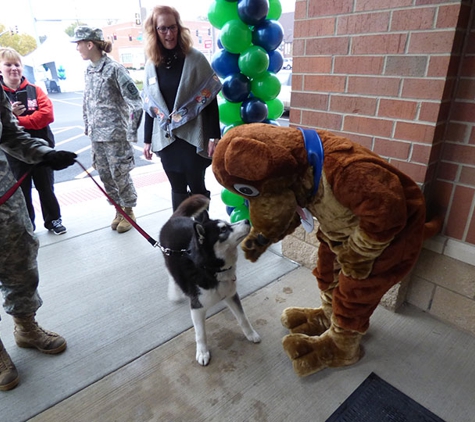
[49,13]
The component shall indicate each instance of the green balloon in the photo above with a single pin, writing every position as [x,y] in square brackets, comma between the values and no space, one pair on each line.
[222,11]
[266,86]
[229,127]
[275,108]
[231,199]
[236,36]
[239,213]
[254,61]
[229,112]
[275,10]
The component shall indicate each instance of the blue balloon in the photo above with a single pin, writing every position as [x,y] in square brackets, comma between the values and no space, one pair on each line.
[220,45]
[268,34]
[253,110]
[271,122]
[236,87]
[276,61]
[229,210]
[253,12]
[225,63]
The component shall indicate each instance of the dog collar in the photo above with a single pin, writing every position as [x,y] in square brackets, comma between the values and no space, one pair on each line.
[314,147]
[170,252]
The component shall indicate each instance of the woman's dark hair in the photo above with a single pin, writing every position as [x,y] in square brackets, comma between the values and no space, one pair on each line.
[154,49]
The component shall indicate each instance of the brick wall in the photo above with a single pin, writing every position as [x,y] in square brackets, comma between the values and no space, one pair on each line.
[398,77]
[376,71]
[455,177]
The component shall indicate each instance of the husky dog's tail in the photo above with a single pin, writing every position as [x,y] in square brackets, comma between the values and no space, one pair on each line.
[192,206]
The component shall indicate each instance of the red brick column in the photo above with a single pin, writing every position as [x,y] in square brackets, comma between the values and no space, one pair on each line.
[396,76]
[376,71]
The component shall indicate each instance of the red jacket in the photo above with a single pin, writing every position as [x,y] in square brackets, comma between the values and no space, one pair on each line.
[40,108]
[39,114]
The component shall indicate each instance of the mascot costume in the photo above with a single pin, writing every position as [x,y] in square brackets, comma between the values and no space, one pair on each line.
[371,222]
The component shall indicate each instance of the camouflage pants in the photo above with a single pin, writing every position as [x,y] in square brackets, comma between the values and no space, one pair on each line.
[114,162]
[18,253]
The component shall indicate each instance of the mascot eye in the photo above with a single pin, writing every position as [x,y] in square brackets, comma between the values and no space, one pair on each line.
[246,190]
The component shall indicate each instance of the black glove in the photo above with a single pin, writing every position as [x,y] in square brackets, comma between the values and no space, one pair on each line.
[59,160]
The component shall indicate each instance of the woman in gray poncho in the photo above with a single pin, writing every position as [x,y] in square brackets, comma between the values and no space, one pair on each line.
[182,118]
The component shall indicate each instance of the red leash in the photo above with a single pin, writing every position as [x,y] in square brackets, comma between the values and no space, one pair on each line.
[8,194]
[119,209]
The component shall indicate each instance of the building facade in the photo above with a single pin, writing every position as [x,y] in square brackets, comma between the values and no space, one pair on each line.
[128,41]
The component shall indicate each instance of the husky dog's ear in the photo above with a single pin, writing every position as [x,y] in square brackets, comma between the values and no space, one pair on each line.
[202,217]
[200,233]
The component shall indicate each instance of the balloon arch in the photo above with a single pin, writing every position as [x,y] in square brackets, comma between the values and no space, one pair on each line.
[247,62]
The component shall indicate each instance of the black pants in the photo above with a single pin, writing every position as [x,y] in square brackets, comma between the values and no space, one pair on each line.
[43,178]
[185,170]
[194,180]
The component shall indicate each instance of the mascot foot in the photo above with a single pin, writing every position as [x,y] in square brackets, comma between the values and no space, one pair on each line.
[309,321]
[334,348]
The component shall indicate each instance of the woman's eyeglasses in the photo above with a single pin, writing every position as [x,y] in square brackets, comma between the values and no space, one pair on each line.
[165,29]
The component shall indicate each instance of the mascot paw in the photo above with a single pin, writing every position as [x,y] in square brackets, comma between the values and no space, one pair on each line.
[312,354]
[254,247]
[309,321]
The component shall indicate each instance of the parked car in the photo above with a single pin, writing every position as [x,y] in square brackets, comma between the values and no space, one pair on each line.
[287,64]
[285,79]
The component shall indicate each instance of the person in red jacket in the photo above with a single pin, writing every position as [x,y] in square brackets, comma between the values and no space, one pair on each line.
[34,112]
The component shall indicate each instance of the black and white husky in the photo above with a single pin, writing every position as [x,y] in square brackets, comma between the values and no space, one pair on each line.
[201,255]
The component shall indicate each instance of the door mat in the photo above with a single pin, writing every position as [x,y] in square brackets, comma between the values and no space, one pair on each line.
[377,401]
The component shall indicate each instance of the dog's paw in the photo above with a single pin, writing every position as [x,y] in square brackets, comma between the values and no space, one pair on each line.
[254,337]
[203,356]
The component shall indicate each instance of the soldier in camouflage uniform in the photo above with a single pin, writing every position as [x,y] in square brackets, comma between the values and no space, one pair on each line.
[19,246]
[112,111]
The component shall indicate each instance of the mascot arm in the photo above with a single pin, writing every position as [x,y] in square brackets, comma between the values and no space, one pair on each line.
[358,254]
[375,195]
[273,216]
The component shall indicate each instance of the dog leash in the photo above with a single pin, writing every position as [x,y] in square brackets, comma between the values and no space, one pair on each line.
[8,194]
[119,209]
[167,251]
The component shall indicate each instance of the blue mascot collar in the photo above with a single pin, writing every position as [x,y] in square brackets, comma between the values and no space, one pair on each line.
[314,147]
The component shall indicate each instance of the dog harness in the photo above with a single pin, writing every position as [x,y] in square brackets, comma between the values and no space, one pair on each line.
[170,252]
[182,252]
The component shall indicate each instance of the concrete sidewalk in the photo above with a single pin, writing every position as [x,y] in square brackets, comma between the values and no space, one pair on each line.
[130,353]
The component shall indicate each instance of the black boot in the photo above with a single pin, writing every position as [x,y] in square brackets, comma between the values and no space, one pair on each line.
[178,198]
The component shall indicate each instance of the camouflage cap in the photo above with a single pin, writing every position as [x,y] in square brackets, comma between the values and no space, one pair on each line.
[83,33]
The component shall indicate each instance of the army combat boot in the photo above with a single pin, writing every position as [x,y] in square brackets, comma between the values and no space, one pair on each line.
[124,225]
[8,373]
[29,334]
[117,219]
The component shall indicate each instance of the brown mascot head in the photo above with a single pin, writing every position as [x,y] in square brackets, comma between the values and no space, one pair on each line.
[268,166]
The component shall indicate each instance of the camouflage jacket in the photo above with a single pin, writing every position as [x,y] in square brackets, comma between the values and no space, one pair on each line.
[17,143]
[112,107]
